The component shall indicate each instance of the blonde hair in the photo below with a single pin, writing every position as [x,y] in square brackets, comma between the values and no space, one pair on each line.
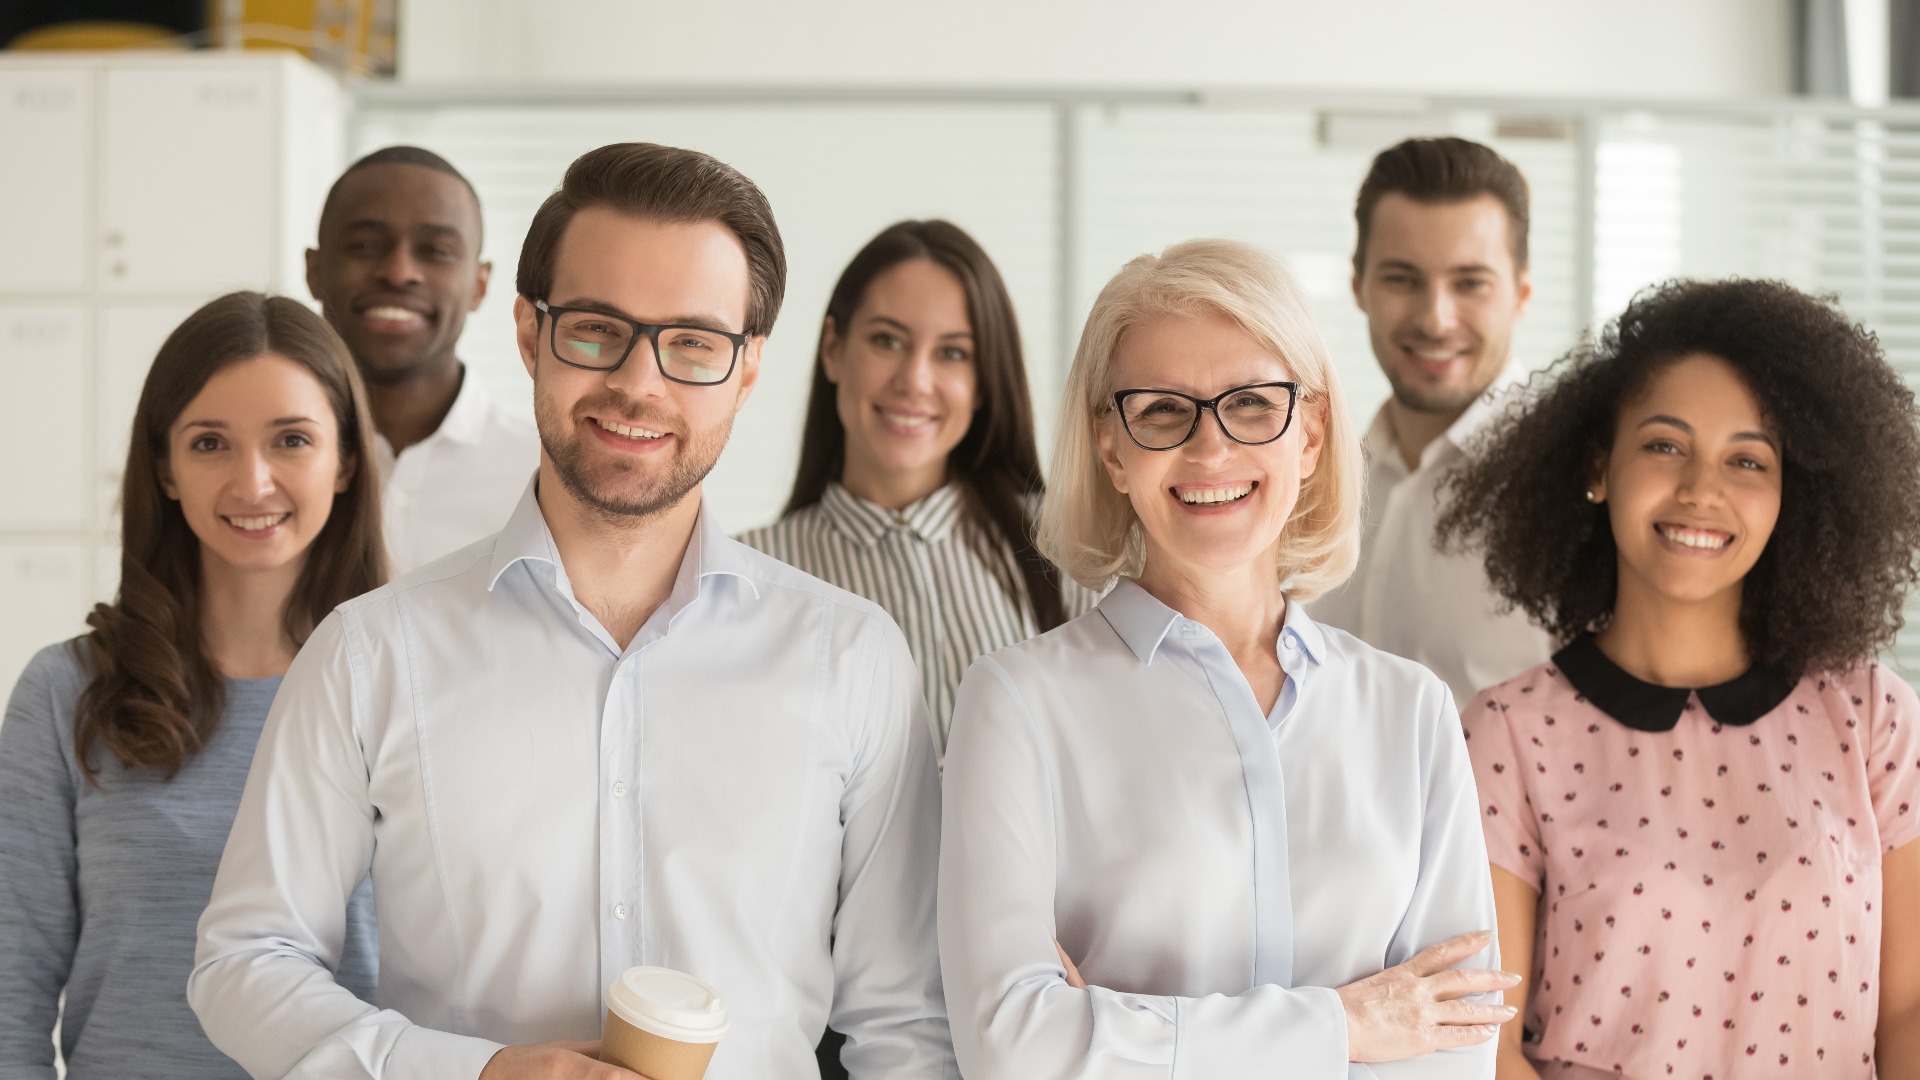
[1088,528]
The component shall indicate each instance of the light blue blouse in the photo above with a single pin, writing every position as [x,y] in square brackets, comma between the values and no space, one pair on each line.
[1214,871]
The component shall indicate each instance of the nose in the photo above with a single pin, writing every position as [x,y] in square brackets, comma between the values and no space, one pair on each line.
[640,376]
[915,373]
[1699,483]
[1209,444]
[400,269]
[253,476]
[1439,315]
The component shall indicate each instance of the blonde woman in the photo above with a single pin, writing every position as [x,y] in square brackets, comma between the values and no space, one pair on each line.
[1256,837]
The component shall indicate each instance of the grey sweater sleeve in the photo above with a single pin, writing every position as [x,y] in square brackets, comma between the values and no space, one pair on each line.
[39,903]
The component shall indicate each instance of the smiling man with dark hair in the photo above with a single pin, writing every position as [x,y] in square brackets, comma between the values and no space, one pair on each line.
[396,270]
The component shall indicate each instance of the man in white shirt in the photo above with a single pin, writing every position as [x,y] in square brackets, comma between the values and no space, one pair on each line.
[396,270]
[1441,272]
[608,736]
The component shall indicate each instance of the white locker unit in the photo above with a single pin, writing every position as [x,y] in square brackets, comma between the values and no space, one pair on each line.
[133,188]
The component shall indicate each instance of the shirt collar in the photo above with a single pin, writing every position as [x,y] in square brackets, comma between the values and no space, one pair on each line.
[1644,706]
[931,519]
[710,552]
[1382,447]
[466,420]
[1144,623]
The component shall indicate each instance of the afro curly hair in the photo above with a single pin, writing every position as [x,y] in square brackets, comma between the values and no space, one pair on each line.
[1826,593]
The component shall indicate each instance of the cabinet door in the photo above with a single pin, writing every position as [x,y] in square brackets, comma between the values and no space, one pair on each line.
[46,427]
[188,179]
[129,336]
[46,171]
[48,590]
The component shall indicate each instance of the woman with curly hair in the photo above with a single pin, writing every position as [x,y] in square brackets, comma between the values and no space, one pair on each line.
[1702,812]
[249,509]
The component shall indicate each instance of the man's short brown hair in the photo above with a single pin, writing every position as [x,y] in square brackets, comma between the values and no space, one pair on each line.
[663,183]
[1443,170]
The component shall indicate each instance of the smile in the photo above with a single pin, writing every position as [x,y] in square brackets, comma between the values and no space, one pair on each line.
[255,522]
[627,432]
[908,421]
[1699,539]
[1215,496]
[398,315]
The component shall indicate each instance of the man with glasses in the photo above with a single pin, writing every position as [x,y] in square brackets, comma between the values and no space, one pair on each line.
[1440,269]
[610,737]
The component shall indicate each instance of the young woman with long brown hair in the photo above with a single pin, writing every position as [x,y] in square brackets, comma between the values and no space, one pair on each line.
[919,483]
[248,512]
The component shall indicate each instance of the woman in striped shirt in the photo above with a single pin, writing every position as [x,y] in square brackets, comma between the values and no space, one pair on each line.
[919,481]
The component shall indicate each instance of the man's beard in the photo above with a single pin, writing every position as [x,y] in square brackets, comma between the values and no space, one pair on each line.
[618,490]
[1438,400]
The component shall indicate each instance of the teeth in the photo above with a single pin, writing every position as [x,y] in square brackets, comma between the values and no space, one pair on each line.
[258,521]
[1433,356]
[1696,538]
[906,421]
[629,432]
[1210,496]
[393,314]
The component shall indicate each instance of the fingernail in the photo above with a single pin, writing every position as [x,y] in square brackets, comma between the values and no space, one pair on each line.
[1510,1010]
[1511,978]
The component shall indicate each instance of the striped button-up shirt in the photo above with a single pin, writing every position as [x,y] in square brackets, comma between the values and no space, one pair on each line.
[921,566]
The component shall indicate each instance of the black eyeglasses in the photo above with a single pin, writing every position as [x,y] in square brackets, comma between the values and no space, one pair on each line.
[597,341]
[1253,415]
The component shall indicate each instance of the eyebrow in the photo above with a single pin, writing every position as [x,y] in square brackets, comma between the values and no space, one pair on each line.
[1738,436]
[1463,268]
[221,425]
[896,323]
[701,322]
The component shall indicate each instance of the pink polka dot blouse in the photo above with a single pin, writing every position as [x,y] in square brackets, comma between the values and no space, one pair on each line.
[1708,862]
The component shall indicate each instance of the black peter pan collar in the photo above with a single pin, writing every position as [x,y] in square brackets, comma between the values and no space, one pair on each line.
[1644,706]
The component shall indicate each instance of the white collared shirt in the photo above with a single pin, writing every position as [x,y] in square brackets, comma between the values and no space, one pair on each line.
[1412,599]
[746,792]
[1215,872]
[458,484]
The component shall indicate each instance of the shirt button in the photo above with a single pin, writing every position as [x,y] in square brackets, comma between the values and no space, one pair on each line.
[619,911]
[619,789]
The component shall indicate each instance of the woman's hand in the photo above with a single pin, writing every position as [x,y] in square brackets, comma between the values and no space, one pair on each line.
[1414,1008]
[1073,973]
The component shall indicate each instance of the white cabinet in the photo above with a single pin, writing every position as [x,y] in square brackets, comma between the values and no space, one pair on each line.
[46,175]
[133,189]
[46,366]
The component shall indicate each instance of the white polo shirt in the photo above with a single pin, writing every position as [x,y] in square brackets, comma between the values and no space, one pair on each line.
[1410,599]
[458,484]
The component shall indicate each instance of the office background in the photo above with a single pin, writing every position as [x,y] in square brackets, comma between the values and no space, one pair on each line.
[1660,138]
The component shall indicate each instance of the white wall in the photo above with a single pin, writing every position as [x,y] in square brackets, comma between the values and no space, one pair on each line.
[1711,49]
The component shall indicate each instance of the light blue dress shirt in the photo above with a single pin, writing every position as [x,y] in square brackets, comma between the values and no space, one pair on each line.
[1213,870]
[745,792]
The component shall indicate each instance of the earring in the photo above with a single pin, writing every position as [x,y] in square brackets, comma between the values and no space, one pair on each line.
[1593,496]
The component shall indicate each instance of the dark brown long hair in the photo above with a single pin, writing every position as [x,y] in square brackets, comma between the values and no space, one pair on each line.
[155,697]
[996,463]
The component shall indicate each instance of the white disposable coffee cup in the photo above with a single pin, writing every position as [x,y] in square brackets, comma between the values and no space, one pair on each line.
[663,1024]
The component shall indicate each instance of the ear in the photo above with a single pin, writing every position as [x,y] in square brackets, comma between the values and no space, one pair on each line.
[1597,481]
[349,467]
[482,276]
[526,332]
[831,345]
[1523,291]
[313,274]
[1110,454]
[1358,275]
[749,368]
[1313,436]
[163,471]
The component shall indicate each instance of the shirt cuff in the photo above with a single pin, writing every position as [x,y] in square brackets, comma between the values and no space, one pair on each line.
[426,1054]
[1304,1033]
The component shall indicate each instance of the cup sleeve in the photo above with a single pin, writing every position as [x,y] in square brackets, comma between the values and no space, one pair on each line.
[1507,817]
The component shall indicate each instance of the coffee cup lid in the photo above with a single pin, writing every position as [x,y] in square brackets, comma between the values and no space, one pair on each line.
[669,1003]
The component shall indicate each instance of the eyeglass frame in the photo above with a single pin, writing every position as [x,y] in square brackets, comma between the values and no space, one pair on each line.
[650,331]
[1207,405]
